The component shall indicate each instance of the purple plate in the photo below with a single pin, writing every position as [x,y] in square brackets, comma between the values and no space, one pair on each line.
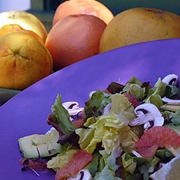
[26,113]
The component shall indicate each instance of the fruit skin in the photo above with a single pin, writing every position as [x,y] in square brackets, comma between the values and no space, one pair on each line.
[139,25]
[91,7]
[26,20]
[9,28]
[23,60]
[74,38]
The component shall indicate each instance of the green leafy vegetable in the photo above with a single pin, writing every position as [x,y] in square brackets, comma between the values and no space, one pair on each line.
[164,155]
[61,159]
[138,166]
[60,118]
[110,166]
[134,87]
[176,118]
[154,94]
[172,91]
[95,105]
[110,130]
[122,107]
[93,166]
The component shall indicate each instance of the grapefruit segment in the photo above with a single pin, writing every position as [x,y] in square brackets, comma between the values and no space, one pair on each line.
[157,137]
[80,159]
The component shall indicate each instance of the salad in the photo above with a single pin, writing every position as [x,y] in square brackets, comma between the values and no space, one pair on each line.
[127,131]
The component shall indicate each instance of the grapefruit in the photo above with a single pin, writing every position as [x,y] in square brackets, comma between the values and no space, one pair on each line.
[138,25]
[91,7]
[79,160]
[9,28]
[24,19]
[24,60]
[74,38]
[157,137]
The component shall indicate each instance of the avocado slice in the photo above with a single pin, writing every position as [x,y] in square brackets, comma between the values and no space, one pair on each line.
[39,146]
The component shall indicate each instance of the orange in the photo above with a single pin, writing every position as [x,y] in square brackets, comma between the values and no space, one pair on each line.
[139,25]
[24,19]
[157,137]
[9,28]
[74,38]
[91,7]
[23,60]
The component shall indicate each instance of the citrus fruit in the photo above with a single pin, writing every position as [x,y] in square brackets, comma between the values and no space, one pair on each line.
[157,137]
[24,19]
[79,160]
[139,25]
[74,38]
[9,28]
[169,171]
[91,7]
[24,60]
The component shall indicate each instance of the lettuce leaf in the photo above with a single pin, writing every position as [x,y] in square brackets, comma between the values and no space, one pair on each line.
[172,91]
[176,118]
[122,107]
[129,163]
[159,88]
[135,87]
[110,168]
[154,94]
[111,131]
[61,159]
[138,166]
[60,118]
[95,105]
[106,174]
[93,166]
[155,99]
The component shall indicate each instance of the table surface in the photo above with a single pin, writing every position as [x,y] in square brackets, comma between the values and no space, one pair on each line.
[27,112]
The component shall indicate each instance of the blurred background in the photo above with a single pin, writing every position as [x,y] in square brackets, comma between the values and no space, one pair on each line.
[45,9]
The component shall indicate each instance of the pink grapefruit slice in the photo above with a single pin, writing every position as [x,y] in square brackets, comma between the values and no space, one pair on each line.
[157,137]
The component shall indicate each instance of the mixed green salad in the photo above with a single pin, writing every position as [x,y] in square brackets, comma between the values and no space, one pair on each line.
[127,131]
